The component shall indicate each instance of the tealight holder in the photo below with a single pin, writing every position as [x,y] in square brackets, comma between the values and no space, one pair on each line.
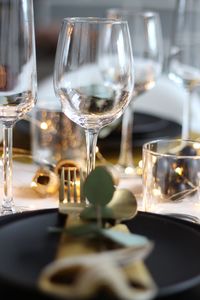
[55,137]
[171,178]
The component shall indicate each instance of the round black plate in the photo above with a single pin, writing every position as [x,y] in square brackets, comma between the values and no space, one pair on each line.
[145,128]
[27,246]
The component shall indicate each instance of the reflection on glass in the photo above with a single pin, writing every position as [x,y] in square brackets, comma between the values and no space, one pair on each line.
[184,59]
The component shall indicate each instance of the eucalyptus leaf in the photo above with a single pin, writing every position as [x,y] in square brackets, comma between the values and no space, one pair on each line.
[125,239]
[123,204]
[90,213]
[99,186]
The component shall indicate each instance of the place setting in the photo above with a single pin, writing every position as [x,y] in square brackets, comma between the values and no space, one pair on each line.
[43,250]
[98,201]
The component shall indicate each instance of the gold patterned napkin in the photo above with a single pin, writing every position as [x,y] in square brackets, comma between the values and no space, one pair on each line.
[82,268]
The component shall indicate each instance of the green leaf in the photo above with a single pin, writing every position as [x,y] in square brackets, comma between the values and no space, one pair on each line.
[90,213]
[99,186]
[125,238]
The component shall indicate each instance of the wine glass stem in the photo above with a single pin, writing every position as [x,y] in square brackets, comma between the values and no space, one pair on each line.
[91,142]
[186,121]
[126,156]
[7,203]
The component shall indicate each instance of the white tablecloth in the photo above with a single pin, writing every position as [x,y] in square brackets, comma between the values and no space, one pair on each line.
[26,197]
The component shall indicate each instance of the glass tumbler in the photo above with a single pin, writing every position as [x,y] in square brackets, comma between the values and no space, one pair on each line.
[171,177]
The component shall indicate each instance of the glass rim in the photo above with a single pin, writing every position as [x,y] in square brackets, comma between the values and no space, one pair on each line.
[131,11]
[165,141]
[94,20]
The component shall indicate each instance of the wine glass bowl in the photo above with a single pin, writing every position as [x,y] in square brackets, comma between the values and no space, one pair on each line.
[93,75]
[17,79]
[94,106]
[146,39]
[184,61]
[182,70]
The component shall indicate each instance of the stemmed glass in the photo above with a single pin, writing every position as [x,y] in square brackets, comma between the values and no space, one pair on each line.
[93,74]
[17,79]
[184,59]
[146,38]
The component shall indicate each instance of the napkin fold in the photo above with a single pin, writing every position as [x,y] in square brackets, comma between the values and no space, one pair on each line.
[80,272]
[84,276]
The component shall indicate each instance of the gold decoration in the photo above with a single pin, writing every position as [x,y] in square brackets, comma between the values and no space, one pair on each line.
[45,182]
[123,205]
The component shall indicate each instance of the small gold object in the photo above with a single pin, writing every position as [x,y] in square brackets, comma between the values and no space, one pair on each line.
[45,182]
[123,205]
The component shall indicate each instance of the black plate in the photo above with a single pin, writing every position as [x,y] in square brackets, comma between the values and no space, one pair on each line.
[145,128]
[27,246]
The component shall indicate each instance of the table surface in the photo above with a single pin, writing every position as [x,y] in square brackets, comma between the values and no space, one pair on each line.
[33,201]
[193,293]
[27,198]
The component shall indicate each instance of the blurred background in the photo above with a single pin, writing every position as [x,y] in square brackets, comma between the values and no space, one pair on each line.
[49,13]
[159,112]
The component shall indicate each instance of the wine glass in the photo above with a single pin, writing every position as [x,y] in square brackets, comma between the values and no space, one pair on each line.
[93,74]
[146,38]
[184,59]
[17,79]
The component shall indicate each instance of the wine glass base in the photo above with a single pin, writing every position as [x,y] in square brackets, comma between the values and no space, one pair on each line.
[185,217]
[4,211]
[126,171]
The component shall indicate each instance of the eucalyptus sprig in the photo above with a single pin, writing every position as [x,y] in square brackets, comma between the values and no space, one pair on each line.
[124,239]
[106,203]
[98,188]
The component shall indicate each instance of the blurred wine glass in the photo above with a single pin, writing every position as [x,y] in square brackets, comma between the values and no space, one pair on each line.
[146,38]
[93,74]
[17,79]
[184,58]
